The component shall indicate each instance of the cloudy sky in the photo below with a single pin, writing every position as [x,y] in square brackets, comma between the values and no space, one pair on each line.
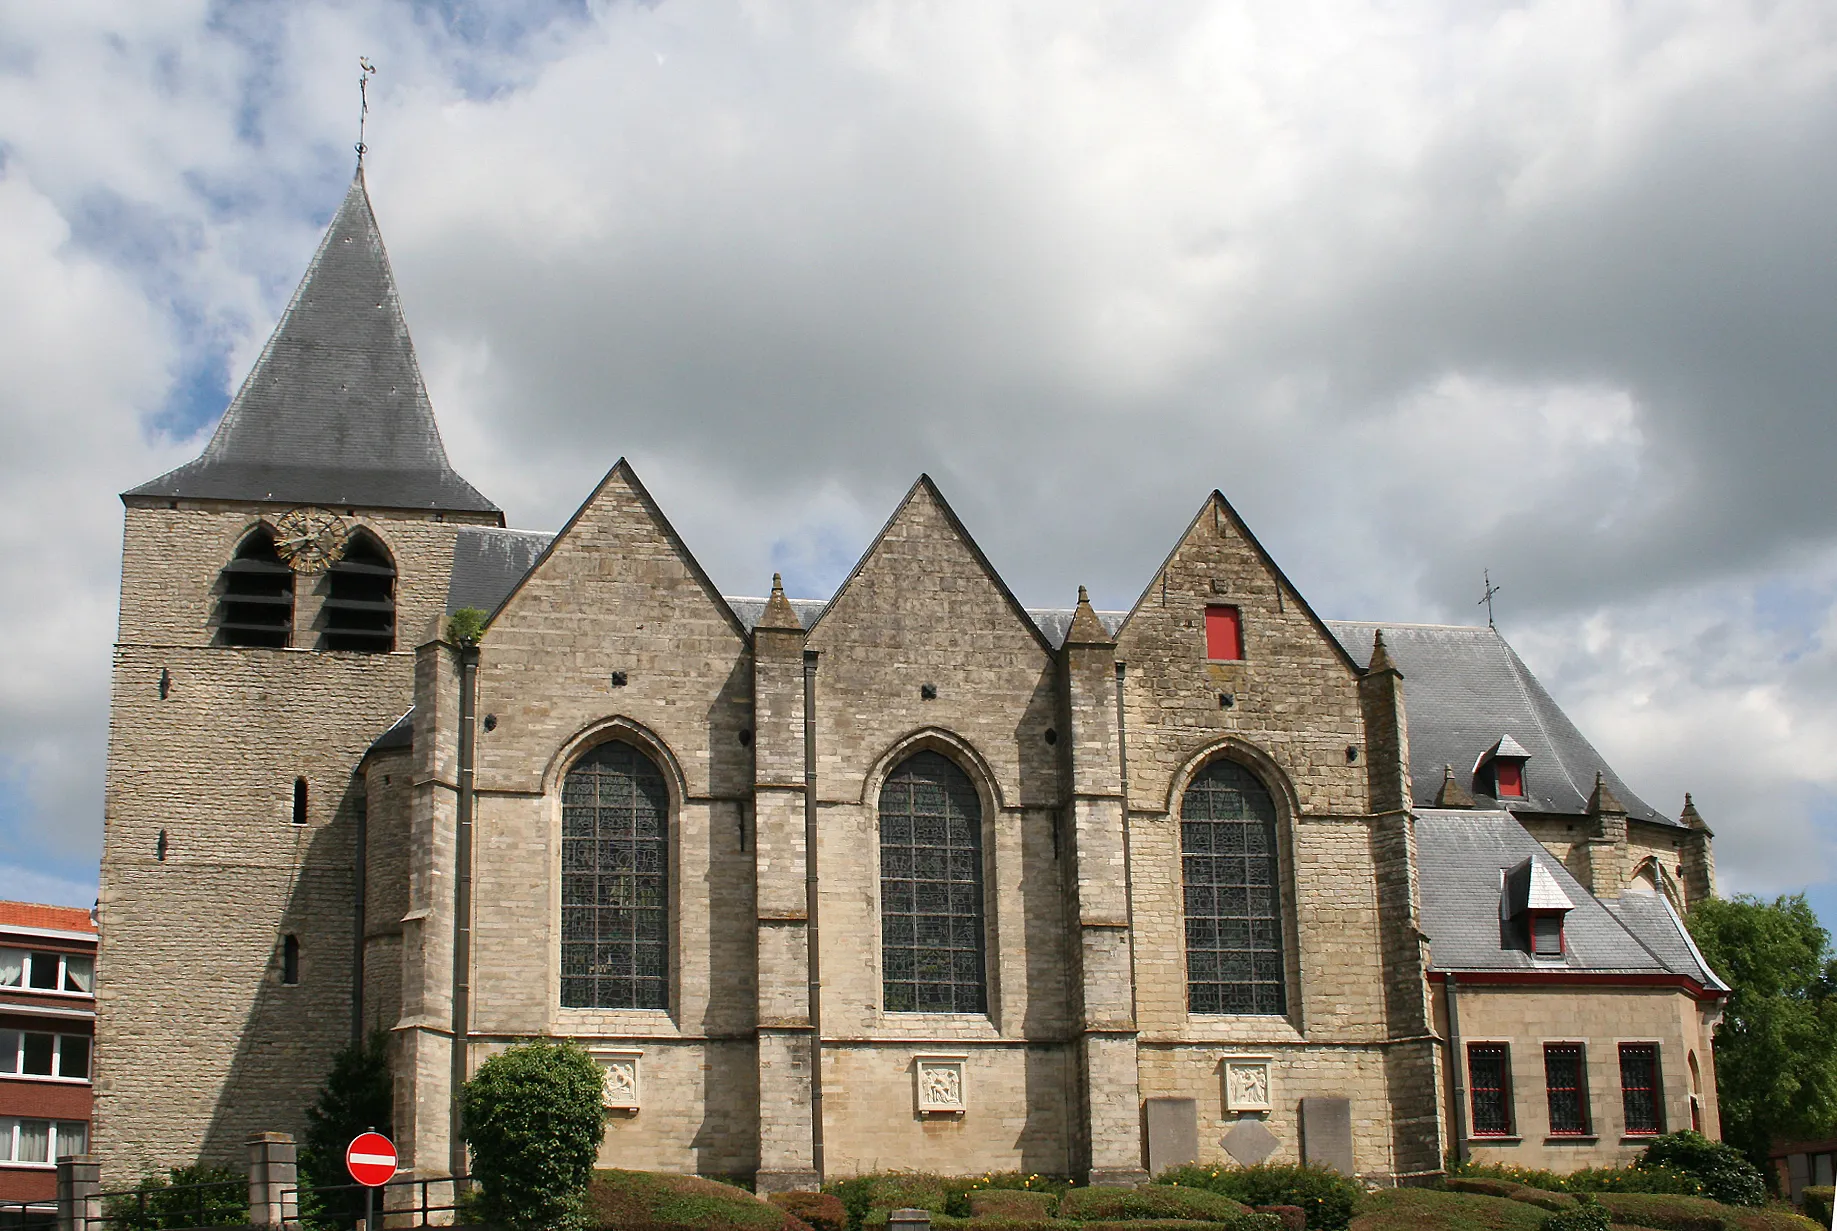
[1545,288]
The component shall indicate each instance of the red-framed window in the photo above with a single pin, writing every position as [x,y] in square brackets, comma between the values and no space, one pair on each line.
[1509,777]
[1224,634]
[1566,1088]
[1639,1089]
[1489,1084]
[1547,933]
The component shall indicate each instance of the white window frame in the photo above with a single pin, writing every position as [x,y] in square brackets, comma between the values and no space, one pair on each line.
[28,959]
[10,1132]
[18,1058]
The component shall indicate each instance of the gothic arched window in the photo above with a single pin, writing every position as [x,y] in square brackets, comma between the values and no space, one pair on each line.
[615,882]
[360,598]
[1233,900]
[255,605]
[931,889]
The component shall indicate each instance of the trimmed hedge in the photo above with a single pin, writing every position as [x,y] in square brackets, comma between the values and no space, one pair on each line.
[1539,1197]
[1323,1194]
[1293,1217]
[1012,1203]
[626,1199]
[1818,1203]
[1671,1213]
[1426,1209]
[1151,1201]
[821,1210]
[1590,1217]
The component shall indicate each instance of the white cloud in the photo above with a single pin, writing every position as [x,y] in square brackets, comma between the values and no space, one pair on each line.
[1425,288]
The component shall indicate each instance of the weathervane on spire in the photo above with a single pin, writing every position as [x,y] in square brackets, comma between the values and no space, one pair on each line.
[1487,597]
[363,101]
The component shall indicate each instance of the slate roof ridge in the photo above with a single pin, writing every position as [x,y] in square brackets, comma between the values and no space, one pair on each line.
[334,410]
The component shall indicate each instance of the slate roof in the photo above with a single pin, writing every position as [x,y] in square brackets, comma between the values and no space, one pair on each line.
[334,411]
[488,563]
[1463,688]
[1459,857]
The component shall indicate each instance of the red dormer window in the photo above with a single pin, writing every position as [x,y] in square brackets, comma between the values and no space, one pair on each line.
[1224,634]
[1510,777]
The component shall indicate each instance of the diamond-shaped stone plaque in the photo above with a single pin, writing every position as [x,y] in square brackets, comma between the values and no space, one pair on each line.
[1249,1142]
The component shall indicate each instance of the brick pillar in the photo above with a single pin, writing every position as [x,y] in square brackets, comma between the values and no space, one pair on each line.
[1698,858]
[274,1180]
[79,1179]
[1604,850]
[789,1084]
[1099,887]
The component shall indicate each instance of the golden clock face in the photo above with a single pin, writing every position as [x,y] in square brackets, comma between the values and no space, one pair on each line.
[311,540]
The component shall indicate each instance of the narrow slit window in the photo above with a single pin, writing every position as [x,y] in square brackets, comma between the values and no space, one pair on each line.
[1224,634]
[1566,1087]
[1639,1089]
[360,599]
[255,598]
[299,801]
[290,960]
[1489,1082]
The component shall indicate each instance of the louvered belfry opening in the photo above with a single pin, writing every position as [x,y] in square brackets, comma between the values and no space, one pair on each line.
[255,606]
[360,599]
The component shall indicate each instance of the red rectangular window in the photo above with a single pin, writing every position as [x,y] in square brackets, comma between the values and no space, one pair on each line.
[1639,1090]
[1224,634]
[1511,778]
[1567,1089]
[1489,1080]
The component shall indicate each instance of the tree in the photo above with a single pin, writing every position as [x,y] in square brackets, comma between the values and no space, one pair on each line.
[534,1121]
[358,1095]
[1776,1049]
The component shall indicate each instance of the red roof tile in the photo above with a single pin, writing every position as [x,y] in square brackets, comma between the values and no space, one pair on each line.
[38,915]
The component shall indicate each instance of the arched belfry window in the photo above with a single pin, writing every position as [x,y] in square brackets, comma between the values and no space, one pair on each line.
[931,889]
[360,599]
[1233,899]
[255,606]
[615,881]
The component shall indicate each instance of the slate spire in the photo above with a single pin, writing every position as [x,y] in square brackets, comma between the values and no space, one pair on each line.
[334,411]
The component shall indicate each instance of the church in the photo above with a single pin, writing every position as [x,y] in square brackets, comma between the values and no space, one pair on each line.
[910,876]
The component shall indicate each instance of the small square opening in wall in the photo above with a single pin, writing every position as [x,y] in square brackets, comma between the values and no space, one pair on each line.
[1224,634]
[619,1088]
[940,1080]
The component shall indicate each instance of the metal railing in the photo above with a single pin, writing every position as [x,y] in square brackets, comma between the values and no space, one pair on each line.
[405,1203]
[28,1215]
[169,1207]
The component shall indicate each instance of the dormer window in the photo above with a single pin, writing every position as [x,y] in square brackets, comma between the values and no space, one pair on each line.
[1532,908]
[1500,770]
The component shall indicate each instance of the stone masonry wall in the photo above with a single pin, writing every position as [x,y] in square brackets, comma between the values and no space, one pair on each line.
[199,1042]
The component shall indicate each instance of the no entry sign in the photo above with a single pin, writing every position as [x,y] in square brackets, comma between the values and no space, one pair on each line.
[371,1159]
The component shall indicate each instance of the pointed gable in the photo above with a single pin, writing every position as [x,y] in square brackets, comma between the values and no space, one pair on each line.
[334,411]
[615,619]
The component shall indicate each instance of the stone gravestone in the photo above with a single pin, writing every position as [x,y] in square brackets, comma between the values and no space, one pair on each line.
[1249,1142]
[1326,1133]
[1173,1132]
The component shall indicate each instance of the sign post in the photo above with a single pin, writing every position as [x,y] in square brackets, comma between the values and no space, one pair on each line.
[370,1158]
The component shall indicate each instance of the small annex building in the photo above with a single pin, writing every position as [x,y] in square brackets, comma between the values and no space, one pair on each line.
[908,876]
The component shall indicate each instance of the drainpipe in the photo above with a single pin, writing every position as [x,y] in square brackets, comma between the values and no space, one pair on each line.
[1460,1074]
[813,959]
[462,904]
[361,914]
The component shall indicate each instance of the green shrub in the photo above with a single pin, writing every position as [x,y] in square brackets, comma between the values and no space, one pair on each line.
[1012,1203]
[1324,1195]
[196,1196]
[1635,1179]
[1530,1177]
[1426,1209]
[534,1123]
[358,1096]
[1589,1217]
[1725,1174]
[1247,1220]
[820,1210]
[1818,1203]
[862,1195]
[1292,1217]
[633,1199]
[466,627]
[1148,1201]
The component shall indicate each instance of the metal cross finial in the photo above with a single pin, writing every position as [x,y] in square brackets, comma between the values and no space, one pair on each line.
[363,101]
[1487,597]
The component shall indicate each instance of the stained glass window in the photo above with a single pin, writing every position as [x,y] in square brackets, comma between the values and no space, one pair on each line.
[615,815]
[931,889]
[1233,903]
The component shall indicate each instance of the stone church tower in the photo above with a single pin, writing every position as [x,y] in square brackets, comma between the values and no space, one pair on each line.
[244,694]
[912,877]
